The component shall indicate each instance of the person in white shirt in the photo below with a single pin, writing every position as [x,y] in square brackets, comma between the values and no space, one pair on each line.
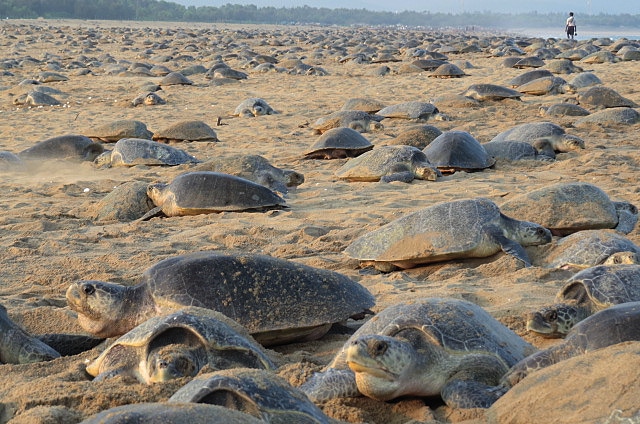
[571,29]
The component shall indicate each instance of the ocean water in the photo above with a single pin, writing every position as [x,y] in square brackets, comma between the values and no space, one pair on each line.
[586,34]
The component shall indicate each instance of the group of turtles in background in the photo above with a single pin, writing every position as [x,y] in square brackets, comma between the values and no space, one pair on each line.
[182,322]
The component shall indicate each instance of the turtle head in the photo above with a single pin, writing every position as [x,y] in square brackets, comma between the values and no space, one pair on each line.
[427,172]
[531,234]
[173,361]
[556,320]
[103,308]
[572,142]
[385,367]
[157,193]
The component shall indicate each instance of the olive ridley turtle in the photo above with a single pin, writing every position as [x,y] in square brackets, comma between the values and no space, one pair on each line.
[338,143]
[455,151]
[275,299]
[468,228]
[178,345]
[432,347]
[584,294]
[139,151]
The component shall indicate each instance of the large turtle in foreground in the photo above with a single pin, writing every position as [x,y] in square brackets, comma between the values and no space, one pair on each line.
[254,391]
[431,347]
[389,163]
[201,192]
[469,228]
[584,294]
[275,299]
[170,413]
[179,345]
[617,324]
[565,208]
[139,151]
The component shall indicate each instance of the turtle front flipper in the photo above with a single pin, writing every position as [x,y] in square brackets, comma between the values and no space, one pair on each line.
[70,344]
[153,213]
[510,247]
[19,347]
[459,394]
[404,176]
[627,217]
[330,384]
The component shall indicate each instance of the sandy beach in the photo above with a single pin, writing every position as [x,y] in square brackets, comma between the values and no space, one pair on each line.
[50,236]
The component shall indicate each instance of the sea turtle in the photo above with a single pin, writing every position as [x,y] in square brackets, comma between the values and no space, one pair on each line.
[611,116]
[126,202]
[468,228]
[513,150]
[253,391]
[68,146]
[452,100]
[149,98]
[275,299]
[338,143]
[254,168]
[587,292]
[587,248]
[546,85]
[448,70]
[389,163]
[563,109]
[528,77]
[429,347]
[565,208]
[186,131]
[122,128]
[174,78]
[253,106]
[416,111]
[138,151]
[455,151]
[36,98]
[178,345]
[10,161]
[616,324]
[562,66]
[601,56]
[484,92]
[354,119]
[364,104]
[19,347]
[200,192]
[529,62]
[600,97]
[170,413]
[541,135]
[418,136]
[585,79]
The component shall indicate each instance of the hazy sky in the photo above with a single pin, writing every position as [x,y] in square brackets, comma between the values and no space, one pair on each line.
[448,6]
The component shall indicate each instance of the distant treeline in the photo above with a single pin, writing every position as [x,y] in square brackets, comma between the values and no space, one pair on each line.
[159,10]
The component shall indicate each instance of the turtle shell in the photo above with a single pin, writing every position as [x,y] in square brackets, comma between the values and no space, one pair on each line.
[603,286]
[364,104]
[448,70]
[198,192]
[253,106]
[137,151]
[170,413]
[543,86]
[274,299]
[528,77]
[420,111]
[482,92]
[68,146]
[529,62]
[458,150]
[417,136]
[124,128]
[355,119]
[585,79]
[565,208]
[564,109]
[339,143]
[611,116]
[226,342]
[604,97]
[589,248]
[386,160]
[510,150]
[269,396]
[174,78]
[562,66]
[186,131]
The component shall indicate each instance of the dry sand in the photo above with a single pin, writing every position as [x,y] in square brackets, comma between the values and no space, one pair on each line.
[48,239]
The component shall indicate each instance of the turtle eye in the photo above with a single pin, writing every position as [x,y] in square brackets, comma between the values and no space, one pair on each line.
[88,289]
[551,316]
[378,348]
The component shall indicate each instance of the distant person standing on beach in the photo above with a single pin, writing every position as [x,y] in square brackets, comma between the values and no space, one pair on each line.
[571,28]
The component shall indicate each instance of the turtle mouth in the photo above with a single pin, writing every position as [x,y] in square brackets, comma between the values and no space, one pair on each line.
[375,370]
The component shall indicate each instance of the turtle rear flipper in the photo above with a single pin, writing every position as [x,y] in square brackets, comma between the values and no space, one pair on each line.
[153,213]
[70,344]
[330,384]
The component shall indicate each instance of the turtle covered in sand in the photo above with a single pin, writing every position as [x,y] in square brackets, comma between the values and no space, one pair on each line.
[178,345]
[584,294]
[68,146]
[355,119]
[116,130]
[484,92]
[253,106]
[389,163]
[617,324]
[468,228]
[565,208]
[254,391]
[275,299]
[431,347]
[415,111]
[186,131]
[201,192]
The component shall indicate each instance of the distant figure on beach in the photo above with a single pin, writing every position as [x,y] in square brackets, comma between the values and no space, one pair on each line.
[571,28]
